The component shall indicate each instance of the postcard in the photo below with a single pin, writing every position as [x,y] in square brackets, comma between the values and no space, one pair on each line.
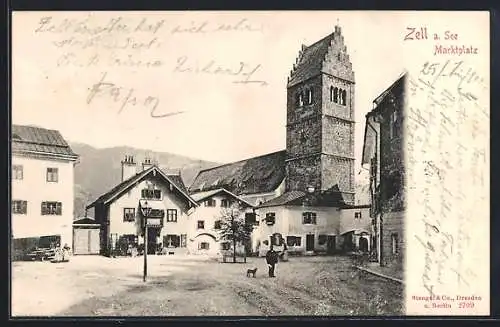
[260,163]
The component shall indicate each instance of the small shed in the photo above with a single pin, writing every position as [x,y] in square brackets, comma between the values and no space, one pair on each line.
[86,236]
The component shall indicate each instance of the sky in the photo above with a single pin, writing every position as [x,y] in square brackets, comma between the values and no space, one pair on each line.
[56,76]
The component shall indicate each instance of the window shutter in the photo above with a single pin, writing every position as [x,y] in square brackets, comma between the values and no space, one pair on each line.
[59,208]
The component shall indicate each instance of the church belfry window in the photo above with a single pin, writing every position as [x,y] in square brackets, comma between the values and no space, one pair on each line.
[299,99]
[344,94]
[309,96]
[336,95]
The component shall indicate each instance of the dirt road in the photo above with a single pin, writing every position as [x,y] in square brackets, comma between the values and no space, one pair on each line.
[304,286]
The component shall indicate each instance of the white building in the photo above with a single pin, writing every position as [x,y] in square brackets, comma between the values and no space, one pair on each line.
[42,184]
[119,210]
[205,227]
[312,223]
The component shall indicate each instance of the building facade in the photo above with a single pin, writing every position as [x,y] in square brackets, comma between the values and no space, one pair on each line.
[309,224]
[383,152]
[42,181]
[121,211]
[215,207]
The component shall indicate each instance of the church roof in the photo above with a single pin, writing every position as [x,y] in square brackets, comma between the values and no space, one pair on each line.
[311,59]
[260,174]
[31,139]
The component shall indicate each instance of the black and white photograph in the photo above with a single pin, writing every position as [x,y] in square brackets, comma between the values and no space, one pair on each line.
[284,163]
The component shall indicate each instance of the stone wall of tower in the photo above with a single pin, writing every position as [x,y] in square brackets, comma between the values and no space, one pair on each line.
[303,173]
[320,135]
[304,137]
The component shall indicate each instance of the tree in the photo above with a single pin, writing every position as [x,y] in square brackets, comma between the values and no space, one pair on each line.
[234,227]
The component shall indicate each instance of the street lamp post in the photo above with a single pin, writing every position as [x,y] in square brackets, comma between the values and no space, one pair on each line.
[145,214]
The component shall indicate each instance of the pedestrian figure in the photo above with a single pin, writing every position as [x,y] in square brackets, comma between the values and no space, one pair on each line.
[272,260]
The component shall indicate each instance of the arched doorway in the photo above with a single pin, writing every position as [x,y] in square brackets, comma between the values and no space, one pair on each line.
[363,244]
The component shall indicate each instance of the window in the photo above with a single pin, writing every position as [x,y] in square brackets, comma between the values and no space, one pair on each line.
[309,96]
[209,203]
[19,207]
[172,215]
[357,215]
[225,245]
[51,208]
[203,246]
[392,124]
[293,240]
[225,203]
[309,218]
[52,175]
[394,243]
[343,96]
[251,218]
[201,224]
[299,99]
[336,95]
[322,239]
[151,194]
[217,224]
[183,240]
[17,172]
[270,218]
[128,214]
[171,241]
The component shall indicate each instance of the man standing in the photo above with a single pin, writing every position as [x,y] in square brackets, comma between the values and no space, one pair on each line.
[272,260]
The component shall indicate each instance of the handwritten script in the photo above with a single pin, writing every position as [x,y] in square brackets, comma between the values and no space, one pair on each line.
[116,45]
[447,141]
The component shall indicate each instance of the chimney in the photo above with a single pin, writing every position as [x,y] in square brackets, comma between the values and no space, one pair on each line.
[129,167]
[147,163]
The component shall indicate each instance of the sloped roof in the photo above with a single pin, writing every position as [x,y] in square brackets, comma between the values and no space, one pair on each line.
[283,199]
[255,175]
[177,180]
[398,83]
[310,60]
[30,139]
[330,198]
[207,194]
[127,184]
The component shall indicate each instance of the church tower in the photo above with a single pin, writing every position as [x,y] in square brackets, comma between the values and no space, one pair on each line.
[320,119]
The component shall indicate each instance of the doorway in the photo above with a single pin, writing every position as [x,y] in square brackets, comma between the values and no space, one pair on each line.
[310,242]
[330,244]
[152,240]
